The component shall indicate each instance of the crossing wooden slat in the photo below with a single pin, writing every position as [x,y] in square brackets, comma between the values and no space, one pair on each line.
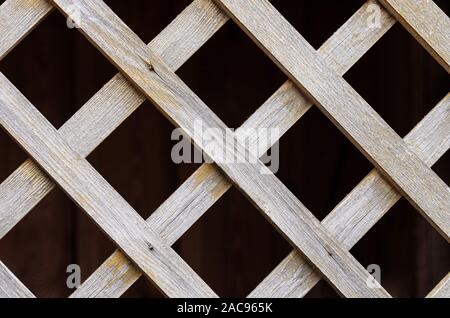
[442,290]
[348,222]
[116,41]
[345,108]
[96,197]
[361,209]
[194,197]
[107,109]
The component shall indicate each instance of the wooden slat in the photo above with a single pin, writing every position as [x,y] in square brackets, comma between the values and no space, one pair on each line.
[107,109]
[442,290]
[184,108]
[354,38]
[11,286]
[288,87]
[349,221]
[427,23]
[282,110]
[346,108]
[96,197]
[361,209]
[17,19]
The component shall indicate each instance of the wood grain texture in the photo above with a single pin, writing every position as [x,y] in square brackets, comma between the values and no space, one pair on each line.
[345,108]
[117,273]
[17,19]
[191,200]
[427,23]
[107,109]
[96,197]
[442,290]
[184,108]
[361,209]
[11,286]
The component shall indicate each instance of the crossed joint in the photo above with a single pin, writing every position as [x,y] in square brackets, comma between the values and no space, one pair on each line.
[325,245]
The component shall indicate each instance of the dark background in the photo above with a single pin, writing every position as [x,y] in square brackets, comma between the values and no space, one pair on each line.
[232,247]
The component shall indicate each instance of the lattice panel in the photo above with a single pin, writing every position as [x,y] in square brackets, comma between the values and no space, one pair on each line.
[320,249]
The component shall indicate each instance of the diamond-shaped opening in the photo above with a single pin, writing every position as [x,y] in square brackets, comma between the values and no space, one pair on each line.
[147,18]
[12,155]
[411,254]
[54,235]
[232,75]
[322,290]
[319,164]
[143,288]
[232,247]
[53,67]
[316,21]
[399,79]
[136,160]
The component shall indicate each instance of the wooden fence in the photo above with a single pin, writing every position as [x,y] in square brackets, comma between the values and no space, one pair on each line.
[321,249]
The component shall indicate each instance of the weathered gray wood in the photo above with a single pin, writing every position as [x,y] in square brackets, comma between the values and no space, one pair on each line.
[361,209]
[350,220]
[427,23]
[191,200]
[17,19]
[107,109]
[169,228]
[11,286]
[96,197]
[346,108]
[442,290]
[183,107]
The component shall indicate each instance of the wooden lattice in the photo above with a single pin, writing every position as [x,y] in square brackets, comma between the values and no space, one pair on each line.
[57,157]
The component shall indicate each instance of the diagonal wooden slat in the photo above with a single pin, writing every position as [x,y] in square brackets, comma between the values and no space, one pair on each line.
[17,19]
[442,290]
[439,126]
[107,109]
[96,197]
[11,286]
[361,209]
[427,23]
[345,108]
[116,41]
[350,220]
[80,140]
[284,108]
